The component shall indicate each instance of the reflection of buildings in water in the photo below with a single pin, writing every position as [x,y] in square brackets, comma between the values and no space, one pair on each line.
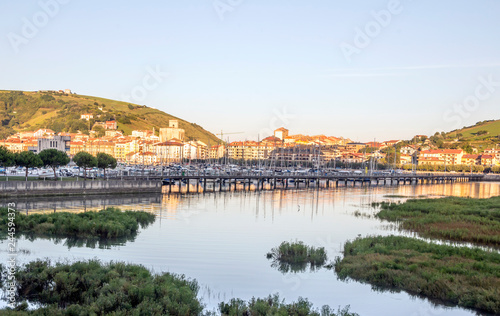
[172,206]
[84,203]
[469,189]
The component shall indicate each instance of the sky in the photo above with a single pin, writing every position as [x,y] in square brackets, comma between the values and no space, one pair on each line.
[364,70]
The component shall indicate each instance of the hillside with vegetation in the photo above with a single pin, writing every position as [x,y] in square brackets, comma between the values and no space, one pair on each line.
[471,139]
[480,131]
[28,111]
[482,135]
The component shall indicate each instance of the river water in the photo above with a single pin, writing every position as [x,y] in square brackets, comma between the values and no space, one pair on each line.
[221,240]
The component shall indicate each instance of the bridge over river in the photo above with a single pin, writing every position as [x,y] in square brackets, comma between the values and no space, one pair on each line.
[262,182]
[221,182]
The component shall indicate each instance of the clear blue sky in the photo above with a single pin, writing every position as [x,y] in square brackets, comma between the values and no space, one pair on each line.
[236,69]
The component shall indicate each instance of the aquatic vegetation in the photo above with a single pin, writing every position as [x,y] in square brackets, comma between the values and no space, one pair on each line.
[453,218]
[468,277]
[93,288]
[272,305]
[106,224]
[295,256]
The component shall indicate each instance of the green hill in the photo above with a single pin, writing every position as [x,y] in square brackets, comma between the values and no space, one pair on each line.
[482,135]
[27,111]
[481,131]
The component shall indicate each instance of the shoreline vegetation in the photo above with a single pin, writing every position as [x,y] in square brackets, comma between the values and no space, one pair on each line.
[457,219]
[296,257]
[467,277]
[454,275]
[95,288]
[107,225]
[272,305]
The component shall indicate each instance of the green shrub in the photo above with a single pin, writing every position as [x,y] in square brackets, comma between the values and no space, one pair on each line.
[295,256]
[93,288]
[272,305]
[107,224]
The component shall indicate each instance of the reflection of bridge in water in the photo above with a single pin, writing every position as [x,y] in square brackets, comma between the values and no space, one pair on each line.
[181,206]
[187,184]
[83,203]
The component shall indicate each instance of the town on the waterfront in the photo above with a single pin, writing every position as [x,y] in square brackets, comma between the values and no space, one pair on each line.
[144,147]
[169,145]
[250,158]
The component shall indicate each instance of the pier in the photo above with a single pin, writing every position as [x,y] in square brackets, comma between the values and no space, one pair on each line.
[220,183]
[213,183]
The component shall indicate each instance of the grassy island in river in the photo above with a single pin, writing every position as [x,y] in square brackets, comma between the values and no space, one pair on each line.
[453,218]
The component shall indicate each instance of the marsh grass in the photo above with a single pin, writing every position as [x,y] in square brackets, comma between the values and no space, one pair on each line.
[272,305]
[468,277]
[115,288]
[395,196]
[93,288]
[295,257]
[90,228]
[453,218]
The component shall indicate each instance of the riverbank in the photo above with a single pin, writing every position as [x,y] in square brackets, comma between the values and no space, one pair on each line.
[82,187]
[491,177]
[467,277]
[459,219]
[464,276]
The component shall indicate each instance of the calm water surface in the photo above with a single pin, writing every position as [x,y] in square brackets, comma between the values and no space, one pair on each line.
[221,240]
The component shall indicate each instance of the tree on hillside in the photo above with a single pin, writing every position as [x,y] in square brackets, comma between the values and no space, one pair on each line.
[73,126]
[28,159]
[467,148]
[85,160]
[100,132]
[105,161]
[47,98]
[54,158]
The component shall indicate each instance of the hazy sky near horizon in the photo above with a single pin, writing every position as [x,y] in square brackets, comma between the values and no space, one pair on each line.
[364,69]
